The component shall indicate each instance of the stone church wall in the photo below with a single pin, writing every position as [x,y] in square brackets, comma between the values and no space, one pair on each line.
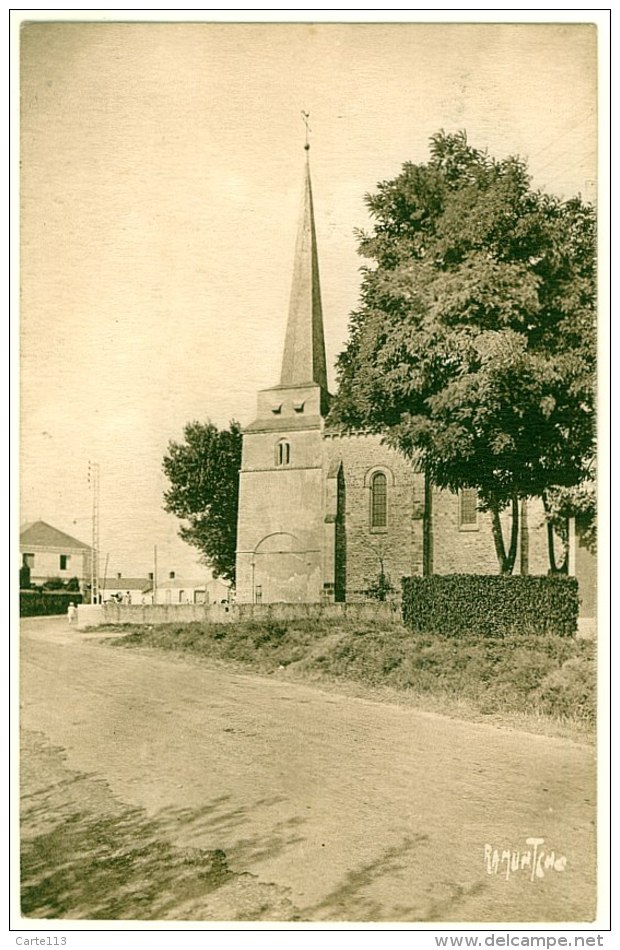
[400,543]
[470,550]
[457,549]
[279,542]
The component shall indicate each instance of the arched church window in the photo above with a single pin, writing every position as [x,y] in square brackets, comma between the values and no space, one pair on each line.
[468,509]
[378,501]
[283,452]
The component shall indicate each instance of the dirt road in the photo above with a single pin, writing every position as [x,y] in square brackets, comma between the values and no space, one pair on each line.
[286,801]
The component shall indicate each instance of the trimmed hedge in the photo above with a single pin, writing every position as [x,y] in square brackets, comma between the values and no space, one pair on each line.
[490,605]
[36,603]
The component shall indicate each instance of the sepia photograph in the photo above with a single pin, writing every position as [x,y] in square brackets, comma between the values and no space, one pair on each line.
[309,597]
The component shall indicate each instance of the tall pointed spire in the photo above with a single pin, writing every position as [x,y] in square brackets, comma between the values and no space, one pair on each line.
[304,347]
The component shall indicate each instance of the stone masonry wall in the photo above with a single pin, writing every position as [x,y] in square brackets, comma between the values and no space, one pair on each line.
[459,550]
[118,614]
[400,543]
[280,536]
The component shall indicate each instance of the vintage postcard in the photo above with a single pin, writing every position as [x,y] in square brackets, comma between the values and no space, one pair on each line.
[309,575]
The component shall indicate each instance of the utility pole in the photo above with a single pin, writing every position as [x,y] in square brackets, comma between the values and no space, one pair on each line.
[154,573]
[105,574]
[93,481]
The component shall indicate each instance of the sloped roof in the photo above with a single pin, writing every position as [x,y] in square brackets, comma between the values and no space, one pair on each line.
[44,535]
[176,583]
[126,583]
[304,345]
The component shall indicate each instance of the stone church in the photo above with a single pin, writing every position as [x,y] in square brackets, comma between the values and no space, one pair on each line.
[323,514]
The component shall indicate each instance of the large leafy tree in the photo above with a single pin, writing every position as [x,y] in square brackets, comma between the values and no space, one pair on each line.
[203,472]
[473,349]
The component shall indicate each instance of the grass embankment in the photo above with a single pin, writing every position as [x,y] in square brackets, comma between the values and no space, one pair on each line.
[527,680]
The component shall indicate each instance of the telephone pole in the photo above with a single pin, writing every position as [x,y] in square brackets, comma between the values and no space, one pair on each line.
[93,481]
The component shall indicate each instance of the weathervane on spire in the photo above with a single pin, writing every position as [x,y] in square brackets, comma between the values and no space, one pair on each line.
[306,116]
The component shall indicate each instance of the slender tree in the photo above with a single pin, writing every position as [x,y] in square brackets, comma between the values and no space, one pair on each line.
[203,472]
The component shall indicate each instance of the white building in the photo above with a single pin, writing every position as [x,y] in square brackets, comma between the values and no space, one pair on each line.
[187,590]
[50,553]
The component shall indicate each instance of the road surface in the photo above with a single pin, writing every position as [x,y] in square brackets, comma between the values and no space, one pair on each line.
[251,797]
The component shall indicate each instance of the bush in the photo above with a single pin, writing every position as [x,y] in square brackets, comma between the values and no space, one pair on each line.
[489,605]
[570,691]
[54,583]
[380,587]
[36,603]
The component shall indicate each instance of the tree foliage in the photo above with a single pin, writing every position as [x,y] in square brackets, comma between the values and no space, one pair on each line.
[203,472]
[24,577]
[473,349]
[53,583]
[579,503]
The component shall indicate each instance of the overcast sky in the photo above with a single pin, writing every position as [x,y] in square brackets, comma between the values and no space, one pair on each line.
[161,184]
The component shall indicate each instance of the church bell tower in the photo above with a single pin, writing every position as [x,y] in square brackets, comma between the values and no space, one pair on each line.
[280,528]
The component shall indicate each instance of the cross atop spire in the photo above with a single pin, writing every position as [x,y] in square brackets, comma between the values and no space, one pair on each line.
[306,118]
[304,346]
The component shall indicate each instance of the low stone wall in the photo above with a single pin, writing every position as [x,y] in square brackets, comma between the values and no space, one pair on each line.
[262,613]
[89,615]
[94,615]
